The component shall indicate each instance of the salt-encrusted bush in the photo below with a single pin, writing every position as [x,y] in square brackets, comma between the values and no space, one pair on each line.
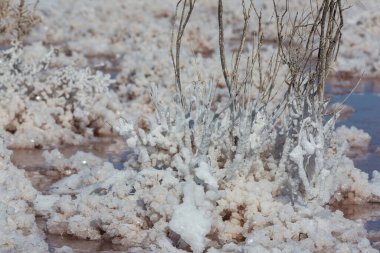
[241,187]
[41,105]
[245,133]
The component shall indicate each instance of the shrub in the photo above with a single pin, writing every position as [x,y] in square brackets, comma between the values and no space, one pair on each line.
[288,137]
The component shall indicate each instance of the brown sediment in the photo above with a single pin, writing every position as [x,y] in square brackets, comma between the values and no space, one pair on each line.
[343,82]
[367,211]
[78,245]
[106,62]
[100,147]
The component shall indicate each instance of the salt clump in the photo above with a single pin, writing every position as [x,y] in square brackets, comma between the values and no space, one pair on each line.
[18,229]
[358,140]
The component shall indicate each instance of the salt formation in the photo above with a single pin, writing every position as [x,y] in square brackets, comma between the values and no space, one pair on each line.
[145,209]
[173,198]
[18,230]
[43,106]
[358,140]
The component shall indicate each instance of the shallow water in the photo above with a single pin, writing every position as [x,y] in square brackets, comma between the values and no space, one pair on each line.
[42,176]
[367,117]
[79,245]
[365,100]
[367,212]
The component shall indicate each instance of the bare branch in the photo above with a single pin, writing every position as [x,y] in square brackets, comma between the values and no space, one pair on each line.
[221,46]
[187,9]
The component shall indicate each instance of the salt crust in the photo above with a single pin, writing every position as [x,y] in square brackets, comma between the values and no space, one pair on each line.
[18,230]
[64,249]
[140,208]
[136,28]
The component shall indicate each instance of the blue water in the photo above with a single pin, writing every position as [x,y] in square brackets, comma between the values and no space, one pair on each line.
[373,225]
[367,118]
